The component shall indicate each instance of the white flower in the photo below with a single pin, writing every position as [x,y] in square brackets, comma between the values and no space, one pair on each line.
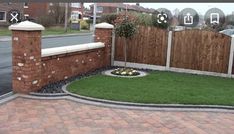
[123,73]
[130,73]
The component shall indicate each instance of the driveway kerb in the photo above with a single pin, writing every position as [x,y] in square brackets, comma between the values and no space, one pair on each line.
[48,94]
[6,95]
[7,99]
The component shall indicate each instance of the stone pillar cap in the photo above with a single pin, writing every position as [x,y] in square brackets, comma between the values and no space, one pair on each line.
[26,26]
[104,25]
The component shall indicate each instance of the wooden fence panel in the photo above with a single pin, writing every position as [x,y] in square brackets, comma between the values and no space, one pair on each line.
[233,66]
[200,50]
[148,46]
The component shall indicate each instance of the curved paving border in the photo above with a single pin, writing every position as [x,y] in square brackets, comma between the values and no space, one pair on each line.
[119,105]
[108,73]
[129,105]
[6,95]
[170,108]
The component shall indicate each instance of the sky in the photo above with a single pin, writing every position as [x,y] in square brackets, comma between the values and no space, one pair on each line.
[201,8]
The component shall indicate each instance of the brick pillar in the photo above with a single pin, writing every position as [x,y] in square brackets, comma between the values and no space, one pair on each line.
[26,56]
[103,33]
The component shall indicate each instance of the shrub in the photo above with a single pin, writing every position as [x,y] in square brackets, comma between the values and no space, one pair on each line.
[143,19]
[109,18]
[121,18]
[89,21]
[126,29]
[84,25]
[140,18]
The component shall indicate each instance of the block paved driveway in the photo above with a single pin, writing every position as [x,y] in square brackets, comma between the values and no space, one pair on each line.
[64,116]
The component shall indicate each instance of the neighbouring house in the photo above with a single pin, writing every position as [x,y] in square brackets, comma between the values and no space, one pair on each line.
[87,13]
[106,8]
[77,11]
[5,8]
[36,10]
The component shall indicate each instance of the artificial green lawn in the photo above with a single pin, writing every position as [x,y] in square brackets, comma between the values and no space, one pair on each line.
[159,88]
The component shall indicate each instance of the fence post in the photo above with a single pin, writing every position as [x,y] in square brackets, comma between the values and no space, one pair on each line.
[169,50]
[103,33]
[230,65]
[26,56]
[113,48]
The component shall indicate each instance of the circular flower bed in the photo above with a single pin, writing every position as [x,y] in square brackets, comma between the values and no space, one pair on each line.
[125,72]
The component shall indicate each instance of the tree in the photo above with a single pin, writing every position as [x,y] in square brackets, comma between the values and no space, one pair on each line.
[125,28]
[57,12]
[66,14]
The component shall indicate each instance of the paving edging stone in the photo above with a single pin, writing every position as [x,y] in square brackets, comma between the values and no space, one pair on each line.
[8,99]
[105,105]
[6,95]
[116,104]
[47,94]
[141,105]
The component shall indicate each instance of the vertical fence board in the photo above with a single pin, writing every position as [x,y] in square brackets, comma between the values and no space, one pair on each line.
[201,50]
[233,66]
[191,49]
[148,46]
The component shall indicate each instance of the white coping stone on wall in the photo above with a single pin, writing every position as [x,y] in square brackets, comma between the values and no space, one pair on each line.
[104,25]
[70,49]
[26,26]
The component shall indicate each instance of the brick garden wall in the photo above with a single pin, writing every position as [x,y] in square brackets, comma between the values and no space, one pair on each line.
[34,68]
[63,66]
[26,60]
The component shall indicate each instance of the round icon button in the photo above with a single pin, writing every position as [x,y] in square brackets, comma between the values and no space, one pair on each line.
[188,17]
[163,17]
[13,16]
[214,17]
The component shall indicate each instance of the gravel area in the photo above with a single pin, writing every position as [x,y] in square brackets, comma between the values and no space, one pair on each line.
[57,86]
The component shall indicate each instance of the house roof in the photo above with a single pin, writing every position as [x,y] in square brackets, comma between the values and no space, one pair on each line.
[131,7]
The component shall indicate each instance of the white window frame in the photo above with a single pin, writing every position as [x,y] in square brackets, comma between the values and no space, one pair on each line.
[25,6]
[76,5]
[26,15]
[98,11]
[4,16]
